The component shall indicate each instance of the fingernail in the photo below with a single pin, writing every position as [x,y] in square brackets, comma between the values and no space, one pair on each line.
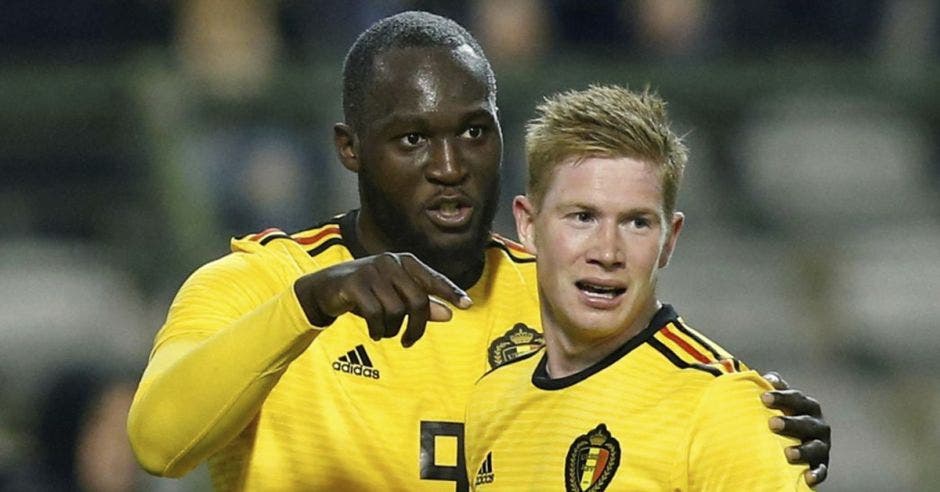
[813,477]
[810,477]
[767,398]
[776,423]
[465,302]
[771,378]
[793,454]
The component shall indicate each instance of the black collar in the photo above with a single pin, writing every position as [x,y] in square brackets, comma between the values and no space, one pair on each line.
[541,379]
[347,227]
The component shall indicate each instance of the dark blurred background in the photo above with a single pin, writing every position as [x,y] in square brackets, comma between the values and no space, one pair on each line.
[138,137]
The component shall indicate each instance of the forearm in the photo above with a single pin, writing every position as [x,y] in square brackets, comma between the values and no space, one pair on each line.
[198,393]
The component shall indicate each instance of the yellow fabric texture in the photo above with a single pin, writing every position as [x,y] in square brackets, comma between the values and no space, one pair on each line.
[689,421]
[238,377]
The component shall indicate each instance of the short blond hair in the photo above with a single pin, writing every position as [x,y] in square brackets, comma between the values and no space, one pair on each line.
[603,121]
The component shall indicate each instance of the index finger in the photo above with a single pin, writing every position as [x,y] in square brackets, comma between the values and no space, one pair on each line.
[792,402]
[434,282]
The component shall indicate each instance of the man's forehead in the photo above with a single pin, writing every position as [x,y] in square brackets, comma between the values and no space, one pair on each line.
[605,179]
[421,81]
[403,63]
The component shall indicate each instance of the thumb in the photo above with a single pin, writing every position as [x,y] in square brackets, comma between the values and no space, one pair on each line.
[440,311]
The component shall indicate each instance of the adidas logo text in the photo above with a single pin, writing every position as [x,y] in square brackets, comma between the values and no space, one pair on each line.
[485,473]
[356,362]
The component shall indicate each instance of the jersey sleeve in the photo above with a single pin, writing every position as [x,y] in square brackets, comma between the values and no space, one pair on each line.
[231,332]
[731,446]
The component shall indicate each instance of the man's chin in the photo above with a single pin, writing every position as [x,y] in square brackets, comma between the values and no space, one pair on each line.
[437,246]
[455,246]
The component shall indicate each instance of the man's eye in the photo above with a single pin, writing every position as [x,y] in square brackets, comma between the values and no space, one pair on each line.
[473,132]
[412,139]
[582,216]
[641,223]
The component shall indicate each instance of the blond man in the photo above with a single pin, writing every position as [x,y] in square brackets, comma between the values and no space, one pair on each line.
[624,395]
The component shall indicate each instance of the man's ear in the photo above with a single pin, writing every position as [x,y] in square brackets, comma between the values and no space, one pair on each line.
[347,146]
[524,212]
[672,236]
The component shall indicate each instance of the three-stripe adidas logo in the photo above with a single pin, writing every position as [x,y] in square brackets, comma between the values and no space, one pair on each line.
[356,362]
[485,473]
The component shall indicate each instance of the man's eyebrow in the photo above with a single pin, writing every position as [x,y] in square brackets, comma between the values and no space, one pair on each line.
[642,211]
[479,113]
[632,212]
[575,205]
[418,119]
[403,119]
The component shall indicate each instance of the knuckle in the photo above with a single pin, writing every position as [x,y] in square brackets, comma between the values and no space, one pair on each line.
[812,446]
[419,303]
[369,309]
[364,276]
[386,258]
[402,258]
[396,313]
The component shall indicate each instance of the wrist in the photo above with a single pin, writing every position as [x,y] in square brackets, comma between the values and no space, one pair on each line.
[315,316]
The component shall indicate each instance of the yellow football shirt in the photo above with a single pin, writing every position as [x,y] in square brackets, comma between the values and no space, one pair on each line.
[668,411]
[277,411]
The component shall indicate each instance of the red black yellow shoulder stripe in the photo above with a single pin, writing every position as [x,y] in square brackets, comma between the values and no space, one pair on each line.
[319,239]
[267,235]
[686,348]
[314,240]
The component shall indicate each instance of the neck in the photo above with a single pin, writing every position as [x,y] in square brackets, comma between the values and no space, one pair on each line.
[371,237]
[464,274]
[569,353]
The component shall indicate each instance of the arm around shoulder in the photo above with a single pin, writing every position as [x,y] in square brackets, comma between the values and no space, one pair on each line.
[731,446]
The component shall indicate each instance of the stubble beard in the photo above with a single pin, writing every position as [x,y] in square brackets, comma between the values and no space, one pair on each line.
[401,235]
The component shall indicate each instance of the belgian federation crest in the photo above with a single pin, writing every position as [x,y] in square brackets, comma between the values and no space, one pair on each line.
[518,341]
[592,460]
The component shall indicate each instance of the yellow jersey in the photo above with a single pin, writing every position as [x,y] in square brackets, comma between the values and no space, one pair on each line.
[282,406]
[668,411]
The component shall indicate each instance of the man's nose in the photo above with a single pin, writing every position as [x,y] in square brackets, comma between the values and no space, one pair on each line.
[444,165]
[607,247]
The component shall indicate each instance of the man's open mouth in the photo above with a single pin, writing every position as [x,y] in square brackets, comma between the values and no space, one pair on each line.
[450,212]
[601,291]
